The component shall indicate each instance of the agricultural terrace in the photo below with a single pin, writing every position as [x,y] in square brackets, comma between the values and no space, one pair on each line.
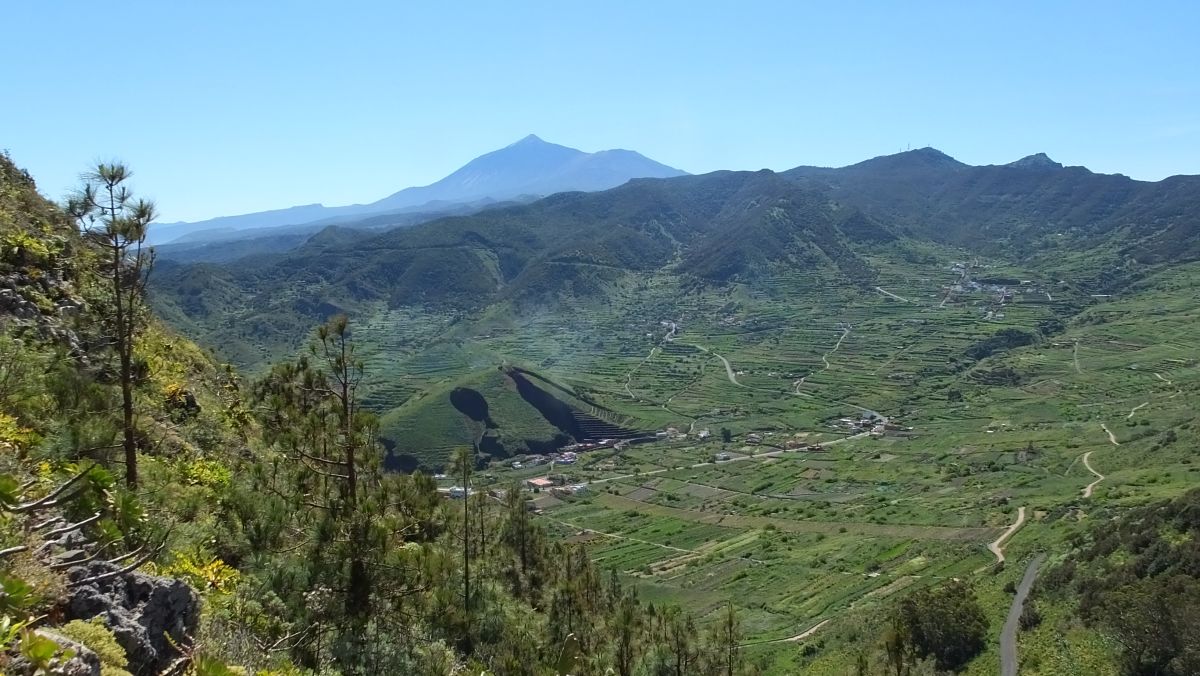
[980,431]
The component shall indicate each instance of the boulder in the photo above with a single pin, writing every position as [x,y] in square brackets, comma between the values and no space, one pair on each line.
[140,610]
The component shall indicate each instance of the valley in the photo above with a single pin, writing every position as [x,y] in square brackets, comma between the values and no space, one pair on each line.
[809,429]
[971,472]
[600,339]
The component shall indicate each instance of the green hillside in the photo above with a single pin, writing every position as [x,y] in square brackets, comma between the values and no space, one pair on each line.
[250,526]
[1018,339]
[431,424]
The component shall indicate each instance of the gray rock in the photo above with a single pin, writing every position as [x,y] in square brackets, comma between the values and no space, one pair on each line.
[83,662]
[140,610]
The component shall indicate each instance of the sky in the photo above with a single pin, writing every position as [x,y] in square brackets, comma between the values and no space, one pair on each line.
[231,107]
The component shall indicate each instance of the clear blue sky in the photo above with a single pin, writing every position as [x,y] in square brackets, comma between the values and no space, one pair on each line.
[230,107]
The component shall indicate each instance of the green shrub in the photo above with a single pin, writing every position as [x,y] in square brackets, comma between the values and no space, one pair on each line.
[101,641]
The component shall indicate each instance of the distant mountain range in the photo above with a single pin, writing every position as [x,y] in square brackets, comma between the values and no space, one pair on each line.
[714,228]
[527,169]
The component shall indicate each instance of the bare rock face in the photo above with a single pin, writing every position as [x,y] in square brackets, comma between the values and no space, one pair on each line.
[141,611]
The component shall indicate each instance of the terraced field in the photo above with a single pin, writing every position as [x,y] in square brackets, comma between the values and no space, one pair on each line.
[796,537]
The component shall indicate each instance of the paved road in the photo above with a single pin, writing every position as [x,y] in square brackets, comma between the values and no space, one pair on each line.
[1008,635]
[753,456]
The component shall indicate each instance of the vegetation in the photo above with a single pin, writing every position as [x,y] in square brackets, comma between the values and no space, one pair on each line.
[116,224]
[853,405]
[1138,581]
[945,623]
[274,506]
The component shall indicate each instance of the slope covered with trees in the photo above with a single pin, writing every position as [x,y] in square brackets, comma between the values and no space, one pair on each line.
[260,515]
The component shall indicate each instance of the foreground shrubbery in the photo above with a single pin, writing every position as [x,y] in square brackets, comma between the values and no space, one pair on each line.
[1137,579]
[268,500]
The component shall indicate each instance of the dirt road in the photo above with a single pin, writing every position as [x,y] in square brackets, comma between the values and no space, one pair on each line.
[1087,491]
[889,294]
[1111,436]
[670,337]
[798,637]
[1008,635]
[1135,409]
[824,358]
[997,547]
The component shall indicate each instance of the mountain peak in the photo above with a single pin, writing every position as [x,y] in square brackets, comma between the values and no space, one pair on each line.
[912,159]
[528,140]
[1036,161]
[929,153]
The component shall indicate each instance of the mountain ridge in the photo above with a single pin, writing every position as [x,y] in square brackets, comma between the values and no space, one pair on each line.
[527,167]
[713,228]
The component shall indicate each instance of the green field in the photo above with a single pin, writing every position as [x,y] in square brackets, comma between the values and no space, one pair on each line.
[794,537]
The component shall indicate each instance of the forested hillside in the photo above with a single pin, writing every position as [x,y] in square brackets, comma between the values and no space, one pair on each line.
[432,299]
[251,529]
[868,435]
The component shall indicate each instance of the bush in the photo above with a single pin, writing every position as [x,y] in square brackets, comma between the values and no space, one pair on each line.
[101,641]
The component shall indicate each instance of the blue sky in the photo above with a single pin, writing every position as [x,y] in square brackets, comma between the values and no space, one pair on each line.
[231,107]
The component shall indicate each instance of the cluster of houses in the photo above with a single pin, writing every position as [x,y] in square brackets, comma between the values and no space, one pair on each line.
[1003,294]
[561,458]
[673,434]
[555,484]
[791,444]
[874,424]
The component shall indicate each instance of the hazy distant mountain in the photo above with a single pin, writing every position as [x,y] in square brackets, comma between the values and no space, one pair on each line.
[529,167]
[708,229]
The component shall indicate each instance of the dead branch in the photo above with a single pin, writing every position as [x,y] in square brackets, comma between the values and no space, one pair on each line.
[51,498]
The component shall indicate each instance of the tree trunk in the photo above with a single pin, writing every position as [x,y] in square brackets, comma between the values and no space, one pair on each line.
[131,468]
[125,350]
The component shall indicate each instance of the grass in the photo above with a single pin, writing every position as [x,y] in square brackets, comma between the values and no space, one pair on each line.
[796,537]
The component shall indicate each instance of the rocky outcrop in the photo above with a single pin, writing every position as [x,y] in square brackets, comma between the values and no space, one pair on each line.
[82,661]
[142,611]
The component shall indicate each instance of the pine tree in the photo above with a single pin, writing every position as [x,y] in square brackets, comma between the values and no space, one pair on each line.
[464,463]
[114,222]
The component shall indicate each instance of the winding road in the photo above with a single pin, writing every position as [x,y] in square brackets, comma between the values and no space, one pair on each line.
[1087,457]
[1008,635]
[1087,490]
[670,337]
[1111,436]
[997,547]
[728,369]
[824,358]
